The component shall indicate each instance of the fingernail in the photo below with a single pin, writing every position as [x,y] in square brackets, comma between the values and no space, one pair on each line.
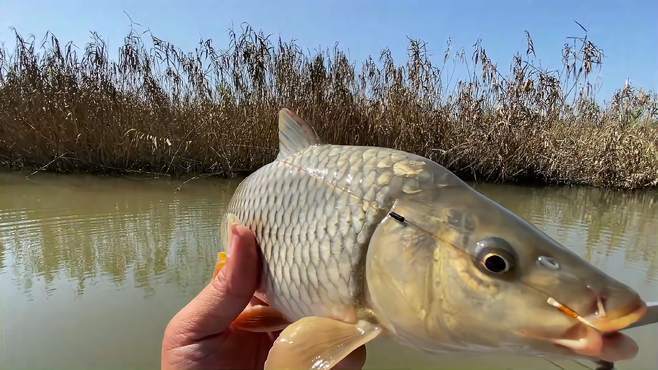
[234,235]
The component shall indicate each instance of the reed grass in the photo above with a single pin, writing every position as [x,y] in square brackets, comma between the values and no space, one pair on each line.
[154,108]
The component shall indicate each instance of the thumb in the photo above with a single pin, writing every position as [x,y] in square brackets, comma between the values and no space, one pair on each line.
[222,300]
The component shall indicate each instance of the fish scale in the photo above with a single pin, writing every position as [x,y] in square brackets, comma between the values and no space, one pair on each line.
[313,214]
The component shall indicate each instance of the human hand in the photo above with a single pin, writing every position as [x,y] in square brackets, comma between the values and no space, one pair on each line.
[200,335]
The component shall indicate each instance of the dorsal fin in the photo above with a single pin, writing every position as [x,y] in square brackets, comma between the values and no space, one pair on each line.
[294,134]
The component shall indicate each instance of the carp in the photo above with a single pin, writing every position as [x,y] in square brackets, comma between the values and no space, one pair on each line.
[359,242]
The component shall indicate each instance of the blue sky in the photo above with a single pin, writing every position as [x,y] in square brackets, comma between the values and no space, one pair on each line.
[627,31]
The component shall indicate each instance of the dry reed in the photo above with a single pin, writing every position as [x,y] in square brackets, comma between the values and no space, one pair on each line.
[157,109]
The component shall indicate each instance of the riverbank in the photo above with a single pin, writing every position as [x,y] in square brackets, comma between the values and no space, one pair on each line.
[155,109]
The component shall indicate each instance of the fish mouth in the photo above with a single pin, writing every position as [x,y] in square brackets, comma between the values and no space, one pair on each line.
[599,337]
[607,324]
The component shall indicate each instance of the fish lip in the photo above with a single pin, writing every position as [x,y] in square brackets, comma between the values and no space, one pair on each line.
[599,338]
[590,343]
[619,322]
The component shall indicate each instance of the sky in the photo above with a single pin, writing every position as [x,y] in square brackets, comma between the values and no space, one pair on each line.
[627,31]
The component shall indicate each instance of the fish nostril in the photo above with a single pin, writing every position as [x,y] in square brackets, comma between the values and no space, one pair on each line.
[548,262]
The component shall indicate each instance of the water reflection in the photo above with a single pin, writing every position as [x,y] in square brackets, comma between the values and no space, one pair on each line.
[100,264]
[81,228]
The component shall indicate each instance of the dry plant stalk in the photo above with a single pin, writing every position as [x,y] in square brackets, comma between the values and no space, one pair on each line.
[160,110]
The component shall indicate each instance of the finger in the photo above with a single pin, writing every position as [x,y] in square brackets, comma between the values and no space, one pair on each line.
[354,360]
[213,309]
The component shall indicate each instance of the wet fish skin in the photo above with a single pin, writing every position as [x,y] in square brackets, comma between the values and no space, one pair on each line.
[374,234]
[313,214]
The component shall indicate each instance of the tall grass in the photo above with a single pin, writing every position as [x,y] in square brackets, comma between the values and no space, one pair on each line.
[154,108]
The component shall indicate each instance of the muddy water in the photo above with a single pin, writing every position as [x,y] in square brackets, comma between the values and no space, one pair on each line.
[92,268]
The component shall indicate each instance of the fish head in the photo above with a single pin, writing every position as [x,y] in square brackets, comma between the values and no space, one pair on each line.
[450,269]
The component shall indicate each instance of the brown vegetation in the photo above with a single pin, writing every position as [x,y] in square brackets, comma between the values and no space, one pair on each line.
[157,109]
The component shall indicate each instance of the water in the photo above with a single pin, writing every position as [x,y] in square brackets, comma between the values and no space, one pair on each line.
[92,268]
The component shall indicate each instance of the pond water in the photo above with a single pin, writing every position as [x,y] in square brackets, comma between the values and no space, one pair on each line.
[92,268]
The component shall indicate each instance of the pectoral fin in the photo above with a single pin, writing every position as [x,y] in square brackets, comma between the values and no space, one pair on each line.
[260,319]
[226,235]
[318,343]
[222,258]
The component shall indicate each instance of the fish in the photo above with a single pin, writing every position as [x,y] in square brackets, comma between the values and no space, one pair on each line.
[362,242]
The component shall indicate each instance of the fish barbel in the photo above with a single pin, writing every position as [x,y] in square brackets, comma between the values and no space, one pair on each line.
[359,242]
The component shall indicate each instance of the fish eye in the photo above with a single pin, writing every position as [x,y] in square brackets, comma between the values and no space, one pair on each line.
[495,263]
[495,256]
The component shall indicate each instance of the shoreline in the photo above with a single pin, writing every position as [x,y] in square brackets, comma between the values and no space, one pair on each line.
[185,178]
[564,168]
